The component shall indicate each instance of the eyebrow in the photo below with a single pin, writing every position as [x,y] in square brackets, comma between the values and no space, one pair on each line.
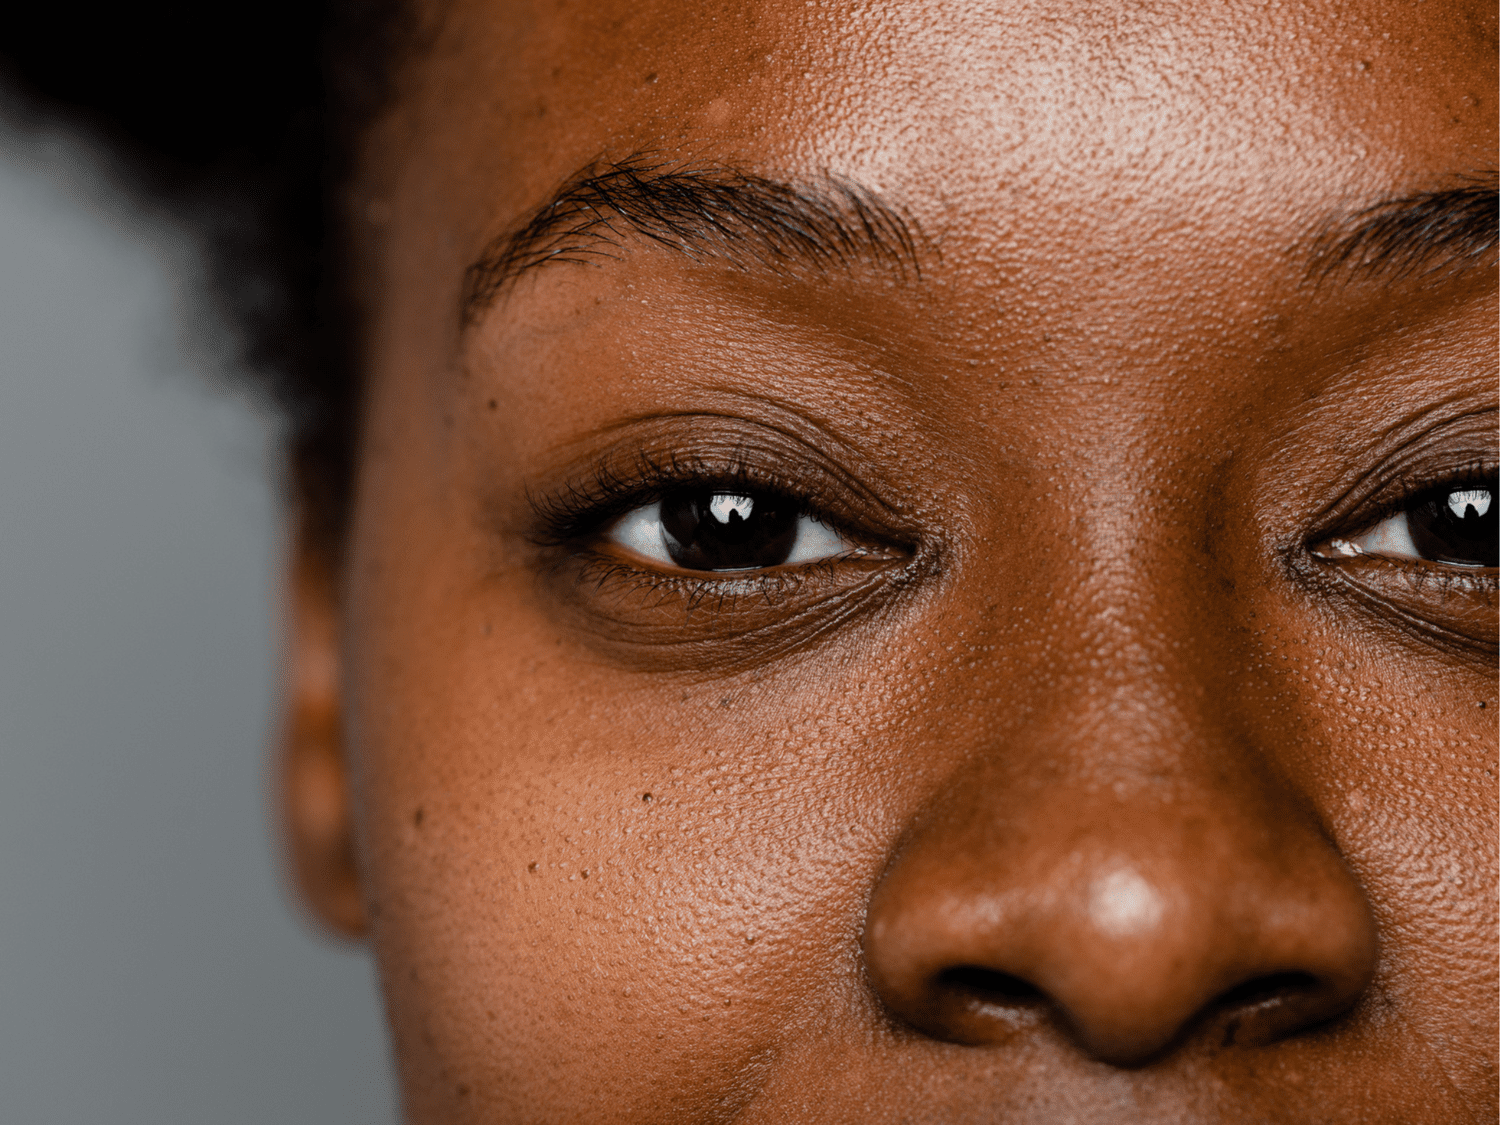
[705,212]
[1430,232]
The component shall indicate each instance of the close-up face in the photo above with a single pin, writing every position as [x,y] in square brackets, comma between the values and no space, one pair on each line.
[920,562]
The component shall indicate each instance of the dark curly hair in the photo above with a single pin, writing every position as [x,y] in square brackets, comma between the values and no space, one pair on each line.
[241,121]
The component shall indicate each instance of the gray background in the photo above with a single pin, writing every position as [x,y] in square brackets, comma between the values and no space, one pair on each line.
[152,969]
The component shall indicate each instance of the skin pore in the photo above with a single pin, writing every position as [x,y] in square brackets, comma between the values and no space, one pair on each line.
[1079,779]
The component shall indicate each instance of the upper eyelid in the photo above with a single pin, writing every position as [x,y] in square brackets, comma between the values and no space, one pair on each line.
[1396,496]
[1447,450]
[635,471]
[587,507]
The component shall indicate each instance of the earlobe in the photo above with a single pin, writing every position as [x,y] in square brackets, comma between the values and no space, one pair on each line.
[314,792]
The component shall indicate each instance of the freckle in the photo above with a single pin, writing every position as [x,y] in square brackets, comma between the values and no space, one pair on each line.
[463,1091]
[492,404]
[651,77]
[531,867]
[585,872]
[417,817]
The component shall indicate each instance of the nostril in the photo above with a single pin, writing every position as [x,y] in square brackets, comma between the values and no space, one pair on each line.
[971,1004]
[1278,987]
[1273,1006]
[987,987]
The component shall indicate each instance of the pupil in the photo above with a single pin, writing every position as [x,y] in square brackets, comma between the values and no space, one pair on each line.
[1457,525]
[714,530]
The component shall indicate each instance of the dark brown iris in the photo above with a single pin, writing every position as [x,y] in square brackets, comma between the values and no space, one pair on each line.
[1456,525]
[717,530]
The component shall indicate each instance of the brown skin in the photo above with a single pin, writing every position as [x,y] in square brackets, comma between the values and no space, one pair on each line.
[1093,716]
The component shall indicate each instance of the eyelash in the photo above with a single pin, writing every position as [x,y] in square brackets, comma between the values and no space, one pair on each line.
[580,510]
[1404,490]
[695,591]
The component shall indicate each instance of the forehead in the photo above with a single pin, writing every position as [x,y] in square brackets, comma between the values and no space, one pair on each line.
[984,120]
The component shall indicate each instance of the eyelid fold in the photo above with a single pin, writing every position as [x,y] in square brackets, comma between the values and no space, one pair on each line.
[1456,450]
[735,458]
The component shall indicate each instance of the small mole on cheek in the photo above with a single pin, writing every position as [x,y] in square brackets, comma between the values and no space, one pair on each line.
[417,817]
[1481,705]
[492,404]
[463,1091]
[647,796]
[531,867]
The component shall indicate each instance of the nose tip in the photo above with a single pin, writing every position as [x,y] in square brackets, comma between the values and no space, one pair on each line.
[1126,962]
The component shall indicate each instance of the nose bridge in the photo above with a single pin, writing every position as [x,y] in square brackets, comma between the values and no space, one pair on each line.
[1139,651]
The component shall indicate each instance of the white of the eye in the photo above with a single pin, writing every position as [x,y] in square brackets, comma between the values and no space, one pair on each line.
[1459,501]
[1390,537]
[816,541]
[641,531]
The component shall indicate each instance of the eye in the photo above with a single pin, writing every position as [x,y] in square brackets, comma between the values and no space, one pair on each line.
[1453,524]
[705,529]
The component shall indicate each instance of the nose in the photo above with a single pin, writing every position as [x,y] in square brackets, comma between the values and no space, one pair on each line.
[1132,924]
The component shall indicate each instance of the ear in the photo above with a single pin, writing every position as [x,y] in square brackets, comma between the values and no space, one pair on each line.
[317,815]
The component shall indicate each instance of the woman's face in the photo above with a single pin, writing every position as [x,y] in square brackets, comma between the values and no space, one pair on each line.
[922,562]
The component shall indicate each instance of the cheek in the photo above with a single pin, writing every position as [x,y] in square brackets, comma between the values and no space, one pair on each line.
[584,880]
[1394,749]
